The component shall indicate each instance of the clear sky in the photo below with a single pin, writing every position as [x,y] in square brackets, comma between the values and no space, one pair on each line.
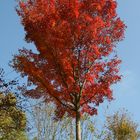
[127,92]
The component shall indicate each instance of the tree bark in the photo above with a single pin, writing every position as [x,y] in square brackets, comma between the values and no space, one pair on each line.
[78,126]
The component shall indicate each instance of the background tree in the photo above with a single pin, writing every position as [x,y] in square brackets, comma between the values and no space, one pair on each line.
[47,127]
[12,118]
[120,126]
[72,67]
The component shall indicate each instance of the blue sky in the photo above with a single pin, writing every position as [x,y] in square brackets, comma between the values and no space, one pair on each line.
[127,92]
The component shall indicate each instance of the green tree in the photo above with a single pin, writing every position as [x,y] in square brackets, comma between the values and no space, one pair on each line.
[12,119]
[120,126]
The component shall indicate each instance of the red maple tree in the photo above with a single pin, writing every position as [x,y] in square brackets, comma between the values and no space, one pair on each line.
[74,66]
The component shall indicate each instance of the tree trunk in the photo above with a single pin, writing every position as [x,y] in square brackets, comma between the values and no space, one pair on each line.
[78,126]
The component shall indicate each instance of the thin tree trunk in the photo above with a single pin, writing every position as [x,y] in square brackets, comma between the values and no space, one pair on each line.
[71,131]
[78,126]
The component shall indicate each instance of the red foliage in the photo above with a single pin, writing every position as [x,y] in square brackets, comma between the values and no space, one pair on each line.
[74,39]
